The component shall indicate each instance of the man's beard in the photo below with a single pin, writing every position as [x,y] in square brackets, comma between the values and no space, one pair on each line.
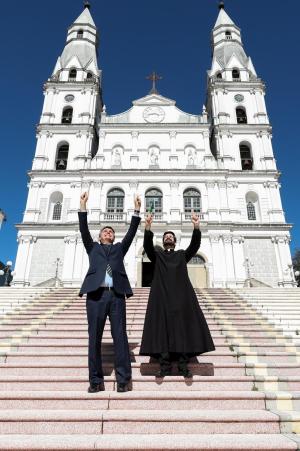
[168,244]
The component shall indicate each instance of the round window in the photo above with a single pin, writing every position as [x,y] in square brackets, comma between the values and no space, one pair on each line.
[69,98]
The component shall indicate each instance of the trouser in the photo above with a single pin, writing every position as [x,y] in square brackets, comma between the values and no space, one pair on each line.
[100,304]
[165,360]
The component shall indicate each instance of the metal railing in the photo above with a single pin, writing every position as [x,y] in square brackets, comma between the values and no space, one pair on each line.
[113,216]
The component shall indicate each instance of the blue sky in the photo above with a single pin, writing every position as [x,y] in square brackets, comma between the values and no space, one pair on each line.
[136,37]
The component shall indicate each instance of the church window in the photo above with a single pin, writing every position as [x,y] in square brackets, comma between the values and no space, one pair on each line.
[72,74]
[241,116]
[252,206]
[153,202]
[191,201]
[251,211]
[57,211]
[228,34]
[246,157]
[115,201]
[235,74]
[67,115]
[80,34]
[219,75]
[62,157]
[55,206]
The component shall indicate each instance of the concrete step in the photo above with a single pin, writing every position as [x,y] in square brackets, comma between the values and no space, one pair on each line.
[78,358]
[138,422]
[219,383]
[144,400]
[149,442]
[138,369]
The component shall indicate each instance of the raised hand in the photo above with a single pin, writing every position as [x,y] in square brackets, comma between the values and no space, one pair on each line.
[195,220]
[148,221]
[83,200]
[137,202]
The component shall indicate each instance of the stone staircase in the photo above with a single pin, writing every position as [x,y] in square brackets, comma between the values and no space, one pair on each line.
[243,396]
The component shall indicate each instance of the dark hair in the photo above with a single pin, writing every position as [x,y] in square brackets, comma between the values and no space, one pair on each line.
[107,227]
[172,233]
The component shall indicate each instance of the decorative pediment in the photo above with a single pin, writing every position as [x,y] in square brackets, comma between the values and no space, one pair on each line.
[154,99]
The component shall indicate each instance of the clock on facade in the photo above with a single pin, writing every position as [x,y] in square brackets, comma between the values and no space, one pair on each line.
[69,98]
[238,97]
[153,114]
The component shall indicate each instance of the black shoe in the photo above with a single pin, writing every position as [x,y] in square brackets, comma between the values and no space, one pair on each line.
[163,373]
[94,388]
[123,387]
[185,372]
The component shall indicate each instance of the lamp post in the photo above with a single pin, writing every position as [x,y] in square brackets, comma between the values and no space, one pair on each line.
[7,273]
[57,264]
[248,264]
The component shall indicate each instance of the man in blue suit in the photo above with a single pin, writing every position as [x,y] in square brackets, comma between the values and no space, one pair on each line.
[107,286]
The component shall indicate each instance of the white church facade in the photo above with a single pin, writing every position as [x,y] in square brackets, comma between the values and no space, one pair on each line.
[219,163]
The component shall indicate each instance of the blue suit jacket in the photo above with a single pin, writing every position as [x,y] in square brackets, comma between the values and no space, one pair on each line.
[99,260]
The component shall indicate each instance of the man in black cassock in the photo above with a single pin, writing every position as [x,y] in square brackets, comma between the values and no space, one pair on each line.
[175,328]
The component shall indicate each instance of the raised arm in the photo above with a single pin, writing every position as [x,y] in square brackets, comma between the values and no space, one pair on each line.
[83,225]
[135,221]
[196,239]
[148,238]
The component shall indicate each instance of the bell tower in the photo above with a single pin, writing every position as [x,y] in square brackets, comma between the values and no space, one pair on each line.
[241,132]
[67,133]
[67,140]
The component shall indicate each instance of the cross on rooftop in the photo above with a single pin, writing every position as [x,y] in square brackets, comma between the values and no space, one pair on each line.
[154,77]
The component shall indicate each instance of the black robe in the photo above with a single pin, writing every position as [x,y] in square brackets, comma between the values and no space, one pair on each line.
[174,321]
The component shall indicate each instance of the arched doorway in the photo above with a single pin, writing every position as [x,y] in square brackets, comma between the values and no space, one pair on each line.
[198,272]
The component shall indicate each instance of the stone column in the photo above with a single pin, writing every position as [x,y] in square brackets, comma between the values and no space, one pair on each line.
[224,210]
[285,260]
[217,260]
[134,158]
[229,263]
[232,201]
[176,201]
[68,262]
[213,201]
[23,260]
[173,158]
[80,263]
[129,200]
[238,257]
[94,200]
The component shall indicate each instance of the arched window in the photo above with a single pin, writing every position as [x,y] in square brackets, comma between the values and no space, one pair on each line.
[89,75]
[62,157]
[80,34]
[154,201]
[191,201]
[67,115]
[219,75]
[72,74]
[56,216]
[252,205]
[235,74]
[241,116]
[246,157]
[55,206]
[251,211]
[228,34]
[115,201]
[197,260]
